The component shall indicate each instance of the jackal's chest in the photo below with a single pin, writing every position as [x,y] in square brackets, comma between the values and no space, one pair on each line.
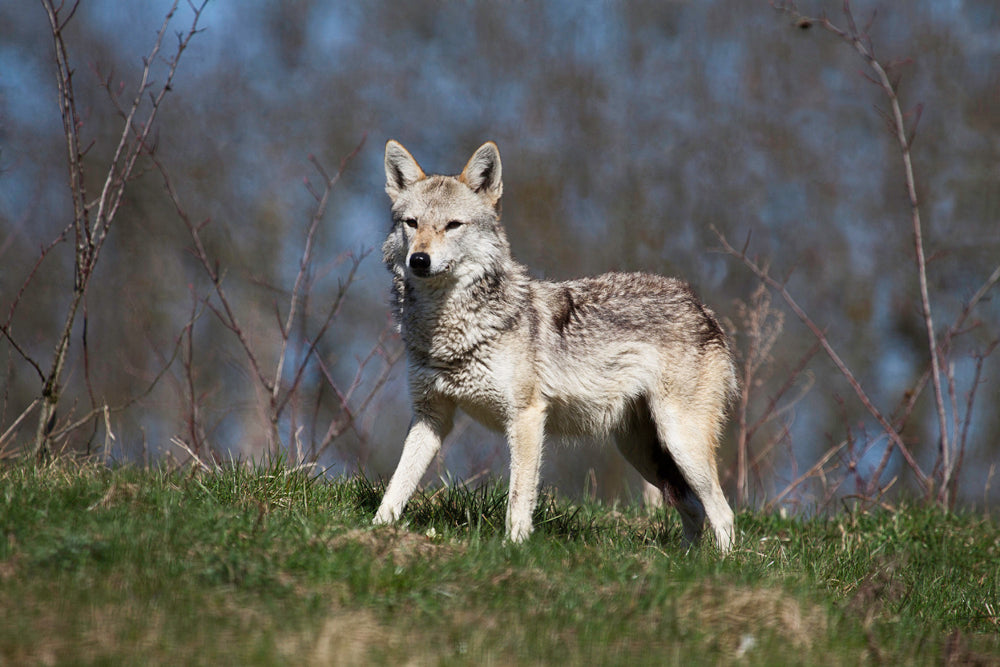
[453,337]
[478,381]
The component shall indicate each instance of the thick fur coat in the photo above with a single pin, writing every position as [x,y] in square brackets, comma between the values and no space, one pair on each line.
[631,357]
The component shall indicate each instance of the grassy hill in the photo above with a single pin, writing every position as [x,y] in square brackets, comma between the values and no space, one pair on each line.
[263,565]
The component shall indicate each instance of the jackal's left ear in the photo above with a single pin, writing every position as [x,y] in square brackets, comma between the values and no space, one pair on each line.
[482,173]
[401,170]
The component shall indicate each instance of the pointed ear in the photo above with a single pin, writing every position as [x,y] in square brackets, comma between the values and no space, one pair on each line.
[482,173]
[401,170]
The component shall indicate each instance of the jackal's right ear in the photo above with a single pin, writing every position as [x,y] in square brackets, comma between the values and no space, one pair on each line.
[401,170]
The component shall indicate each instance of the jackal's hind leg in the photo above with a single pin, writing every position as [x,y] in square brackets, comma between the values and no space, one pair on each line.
[689,437]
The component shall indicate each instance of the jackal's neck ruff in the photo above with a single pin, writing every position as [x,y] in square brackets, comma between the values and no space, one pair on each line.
[447,318]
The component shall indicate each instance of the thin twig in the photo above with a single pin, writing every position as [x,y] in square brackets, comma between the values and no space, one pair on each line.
[338,426]
[816,467]
[331,314]
[306,261]
[6,329]
[228,315]
[93,413]
[204,466]
[970,400]
[938,347]
[763,275]
[91,233]
[771,412]
[17,422]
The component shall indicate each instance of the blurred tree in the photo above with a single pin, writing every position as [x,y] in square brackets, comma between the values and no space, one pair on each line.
[626,131]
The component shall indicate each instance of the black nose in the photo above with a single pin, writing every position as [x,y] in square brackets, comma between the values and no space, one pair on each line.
[420,262]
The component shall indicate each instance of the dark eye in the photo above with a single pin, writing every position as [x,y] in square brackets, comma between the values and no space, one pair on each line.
[411,223]
[454,224]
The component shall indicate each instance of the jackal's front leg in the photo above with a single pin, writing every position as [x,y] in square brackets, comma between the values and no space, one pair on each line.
[421,445]
[525,435]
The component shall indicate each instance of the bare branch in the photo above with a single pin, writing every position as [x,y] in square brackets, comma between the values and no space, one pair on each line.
[340,425]
[91,233]
[771,411]
[334,309]
[306,261]
[794,484]
[832,354]
[970,400]
[227,316]
[280,395]
[863,45]
[6,331]
[31,275]
[973,301]
[96,411]
[12,429]
[201,464]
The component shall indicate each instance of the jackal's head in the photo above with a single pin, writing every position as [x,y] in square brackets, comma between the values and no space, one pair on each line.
[445,228]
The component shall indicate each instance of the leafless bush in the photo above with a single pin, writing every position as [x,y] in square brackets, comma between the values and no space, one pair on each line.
[286,406]
[305,403]
[758,328]
[953,421]
[93,218]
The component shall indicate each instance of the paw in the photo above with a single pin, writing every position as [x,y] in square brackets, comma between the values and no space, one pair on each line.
[519,533]
[384,517]
[724,538]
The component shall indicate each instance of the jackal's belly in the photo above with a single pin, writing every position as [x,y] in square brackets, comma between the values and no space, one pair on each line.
[575,406]
[595,394]
[581,415]
[576,414]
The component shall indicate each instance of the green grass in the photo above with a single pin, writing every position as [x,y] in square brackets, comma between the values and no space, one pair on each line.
[263,565]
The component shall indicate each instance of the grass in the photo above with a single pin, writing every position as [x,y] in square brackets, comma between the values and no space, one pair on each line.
[266,565]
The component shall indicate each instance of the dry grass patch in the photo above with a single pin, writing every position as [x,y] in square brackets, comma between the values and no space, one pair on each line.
[738,616]
[402,546]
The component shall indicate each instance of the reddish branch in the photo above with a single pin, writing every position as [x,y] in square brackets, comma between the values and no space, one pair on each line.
[8,326]
[779,287]
[863,45]
[304,265]
[951,446]
[346,420]
[284,396]
[227,316]
[761,326]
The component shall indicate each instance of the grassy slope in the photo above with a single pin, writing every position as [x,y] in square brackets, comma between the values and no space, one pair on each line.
[261,566]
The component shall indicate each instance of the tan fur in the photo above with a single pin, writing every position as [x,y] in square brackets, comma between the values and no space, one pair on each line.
[631,357]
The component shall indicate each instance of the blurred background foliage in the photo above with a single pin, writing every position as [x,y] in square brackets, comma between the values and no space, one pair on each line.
[626,130]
